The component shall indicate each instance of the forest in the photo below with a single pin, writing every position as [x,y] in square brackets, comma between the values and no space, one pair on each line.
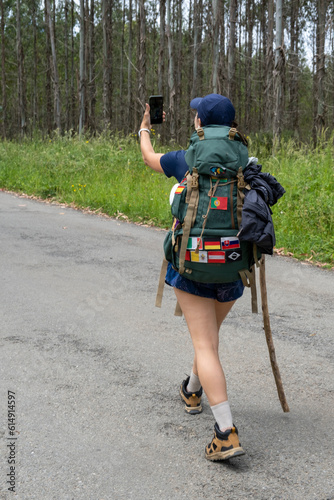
[88,66]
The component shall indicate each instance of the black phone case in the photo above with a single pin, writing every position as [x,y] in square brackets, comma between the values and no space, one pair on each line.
[156,108]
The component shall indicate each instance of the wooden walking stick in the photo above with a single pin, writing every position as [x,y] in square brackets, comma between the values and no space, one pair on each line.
[269,338]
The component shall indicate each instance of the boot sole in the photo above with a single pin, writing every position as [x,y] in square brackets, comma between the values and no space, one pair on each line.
[225,455]
[192,410]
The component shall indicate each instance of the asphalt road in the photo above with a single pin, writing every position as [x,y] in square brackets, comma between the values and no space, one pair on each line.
[95,371]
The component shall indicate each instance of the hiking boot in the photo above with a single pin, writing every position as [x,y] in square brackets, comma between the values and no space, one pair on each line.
[192,399]
[224,445]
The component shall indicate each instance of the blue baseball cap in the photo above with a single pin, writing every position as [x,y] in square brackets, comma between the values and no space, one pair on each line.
[214,109]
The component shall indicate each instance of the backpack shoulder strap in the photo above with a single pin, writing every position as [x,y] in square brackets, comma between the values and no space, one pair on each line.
[192,207]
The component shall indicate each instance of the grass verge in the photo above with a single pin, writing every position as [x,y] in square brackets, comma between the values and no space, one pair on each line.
[108,175]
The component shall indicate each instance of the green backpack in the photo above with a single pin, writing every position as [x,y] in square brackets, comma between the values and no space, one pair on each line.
[203,243]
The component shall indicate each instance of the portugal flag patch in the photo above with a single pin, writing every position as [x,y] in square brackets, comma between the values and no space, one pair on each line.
[219,203]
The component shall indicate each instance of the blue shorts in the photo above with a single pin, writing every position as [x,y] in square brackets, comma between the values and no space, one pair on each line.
[223,292]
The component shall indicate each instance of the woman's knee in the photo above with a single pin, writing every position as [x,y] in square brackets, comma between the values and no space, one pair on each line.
[206,348]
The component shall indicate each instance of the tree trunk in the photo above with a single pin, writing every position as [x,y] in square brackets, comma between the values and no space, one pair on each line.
[56,86]
[91,84]
[3,72]
[161,62]
[178,75]
[293,64]
[142,56]
[262,71]
[20,73]
[82,92]
[171,82]
[48,83]
[269,87]
[67,87]
[107,62]
[248,65]
[197,71]
[278,74]
[215,46]
[34,7]
[189,77]
[320,66]
[87,45]
[130,105]
[222,58]
[239,64]
[121,123]
[231,83]
[73,93]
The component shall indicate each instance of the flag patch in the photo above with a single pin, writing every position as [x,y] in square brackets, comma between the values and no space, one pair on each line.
[179,189]
[219,203]
[199,257]
[192,243]
[218,172]
[230,242]
[216,257]
[176,222]
[212,244]
[234,255]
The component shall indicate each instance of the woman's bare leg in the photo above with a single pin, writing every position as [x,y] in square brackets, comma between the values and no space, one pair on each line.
[222,310]
[204,317]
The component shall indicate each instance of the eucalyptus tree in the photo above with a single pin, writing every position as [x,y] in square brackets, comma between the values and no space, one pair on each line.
[215,45]
[3,70]
[320,108]
[56,84]
[197,52]
[231,81]
[142,54]
[82,87]
[278,73]
[171,80]
[162,49]
[21,83]
[107,8]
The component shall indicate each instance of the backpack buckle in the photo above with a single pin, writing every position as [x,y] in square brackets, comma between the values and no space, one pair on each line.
[241,179]
[200,133]
[194,179]
[231,133]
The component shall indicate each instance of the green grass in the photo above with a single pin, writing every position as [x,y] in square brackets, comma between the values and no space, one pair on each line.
[304,216]
[107,174]
[100,174]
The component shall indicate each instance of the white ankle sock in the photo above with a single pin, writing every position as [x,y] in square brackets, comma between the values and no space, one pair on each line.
[223,415]
[194,383]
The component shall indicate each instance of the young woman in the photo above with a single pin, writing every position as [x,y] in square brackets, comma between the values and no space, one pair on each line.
[204,305]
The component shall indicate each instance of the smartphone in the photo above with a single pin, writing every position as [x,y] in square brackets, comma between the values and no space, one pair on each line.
[156,108]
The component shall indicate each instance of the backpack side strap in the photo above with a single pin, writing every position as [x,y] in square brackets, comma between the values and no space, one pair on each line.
[249,280]
[160,291]
[161,284]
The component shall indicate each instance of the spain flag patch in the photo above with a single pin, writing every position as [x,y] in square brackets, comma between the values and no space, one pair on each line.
[179,189]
